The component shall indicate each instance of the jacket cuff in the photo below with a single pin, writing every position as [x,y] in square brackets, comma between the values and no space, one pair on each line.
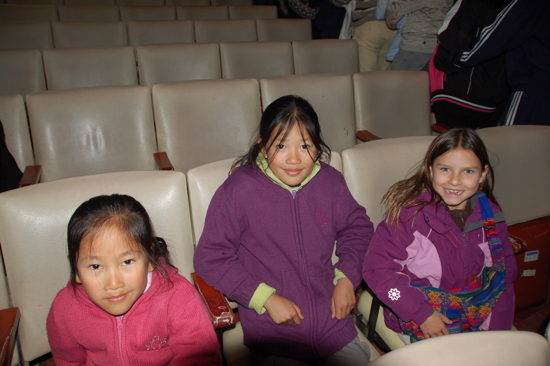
[262,293]
[337,275]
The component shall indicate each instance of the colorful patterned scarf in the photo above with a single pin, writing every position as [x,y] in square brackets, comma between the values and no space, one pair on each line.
[469,306]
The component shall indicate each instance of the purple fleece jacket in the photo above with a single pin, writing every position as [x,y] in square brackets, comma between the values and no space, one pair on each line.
[431,250]
[256,231]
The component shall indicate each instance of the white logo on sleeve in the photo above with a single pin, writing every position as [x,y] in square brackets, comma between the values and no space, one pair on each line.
[394,294]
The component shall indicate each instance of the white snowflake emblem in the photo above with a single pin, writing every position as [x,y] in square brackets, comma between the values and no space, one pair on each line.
[394,294]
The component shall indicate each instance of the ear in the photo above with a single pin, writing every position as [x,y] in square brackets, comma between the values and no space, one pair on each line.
[431,173]
[484,174]
[150,267]
[77,278]
[263,151]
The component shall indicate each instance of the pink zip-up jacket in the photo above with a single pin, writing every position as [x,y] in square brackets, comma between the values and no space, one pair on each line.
[167,325]
[431,250]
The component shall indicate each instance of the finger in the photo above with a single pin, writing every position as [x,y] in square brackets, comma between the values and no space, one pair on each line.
[332,308]
[446,320]
[445,331]
[298,310]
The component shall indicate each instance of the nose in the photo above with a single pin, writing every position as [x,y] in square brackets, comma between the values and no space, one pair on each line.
[454,179]
[114,280]
[293,157]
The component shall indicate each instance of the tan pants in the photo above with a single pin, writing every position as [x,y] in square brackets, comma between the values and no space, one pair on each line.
[374,40]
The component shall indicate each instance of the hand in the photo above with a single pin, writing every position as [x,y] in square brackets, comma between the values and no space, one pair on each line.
[434,326]
[282,310]
[343,299]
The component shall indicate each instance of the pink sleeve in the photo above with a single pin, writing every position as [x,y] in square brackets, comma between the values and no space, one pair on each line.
[65,350]
[193,339]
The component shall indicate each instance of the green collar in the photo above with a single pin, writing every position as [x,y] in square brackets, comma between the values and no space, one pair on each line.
[262,163]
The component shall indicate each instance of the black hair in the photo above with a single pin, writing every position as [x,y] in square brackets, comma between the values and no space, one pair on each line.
[279,118]
[115,211]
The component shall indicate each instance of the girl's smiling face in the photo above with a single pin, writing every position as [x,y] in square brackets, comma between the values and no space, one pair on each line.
[113,270]
[456,176]
[290,157]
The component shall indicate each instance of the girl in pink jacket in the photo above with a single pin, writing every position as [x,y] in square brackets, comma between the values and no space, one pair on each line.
[125,303]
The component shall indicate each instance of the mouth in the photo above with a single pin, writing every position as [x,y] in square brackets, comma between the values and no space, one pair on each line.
[293,171]
[117,298]
[453,191]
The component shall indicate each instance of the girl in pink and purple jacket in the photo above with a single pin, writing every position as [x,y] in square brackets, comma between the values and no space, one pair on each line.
[125,303]
[434,245]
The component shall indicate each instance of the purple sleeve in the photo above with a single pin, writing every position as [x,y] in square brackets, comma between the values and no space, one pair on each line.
[383,274]
[216,260]
[353,235]
[502,316]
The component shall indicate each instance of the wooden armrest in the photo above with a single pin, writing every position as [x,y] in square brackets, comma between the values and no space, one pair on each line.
[9,322]
[366,136]
[163,162]
[440,127]
[221,313]
[31,175]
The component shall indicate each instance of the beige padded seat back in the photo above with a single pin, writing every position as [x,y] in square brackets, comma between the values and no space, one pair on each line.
[225,30]
[21,72]
[93,66]
[520,156]
[187,2]
[140,2]
[256,59]
[177,62]
[326,56]
[160,32]
[92,130]
[503,348]
[28,13]
[372,168]
[89,34]
[286,30]
[331,96]
[33,225]
[147,13]
[232,2]
[25,35]
[253,12]
[16,129]
[393,103]
[204,180]
[90,2]
[203,121]
[97,13]
[202,12]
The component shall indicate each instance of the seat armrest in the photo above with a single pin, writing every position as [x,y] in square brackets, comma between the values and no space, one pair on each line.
[163,161]
[440,127]
[366,136]
[31,175]
[518,244]
[9,323]
[221,313]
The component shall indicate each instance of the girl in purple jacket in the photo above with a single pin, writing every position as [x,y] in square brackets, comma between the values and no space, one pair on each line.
[269,236]
[441,261]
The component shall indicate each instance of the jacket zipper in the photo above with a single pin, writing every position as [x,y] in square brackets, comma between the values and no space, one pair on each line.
[304,269]
[120,326]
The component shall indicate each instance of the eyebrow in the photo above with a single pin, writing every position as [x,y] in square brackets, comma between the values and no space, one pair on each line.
[95,257]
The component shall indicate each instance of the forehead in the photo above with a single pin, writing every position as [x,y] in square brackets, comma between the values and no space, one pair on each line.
[295,131]
[107,241]
[460,157]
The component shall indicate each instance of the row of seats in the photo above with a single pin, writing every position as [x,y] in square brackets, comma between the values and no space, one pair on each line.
[42,35]
[100,13]
[33,222]
[104,129]
[27,71]
[130,2]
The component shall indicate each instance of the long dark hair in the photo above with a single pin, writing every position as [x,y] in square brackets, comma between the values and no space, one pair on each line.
[405,192]
[126,214]
[278,119]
